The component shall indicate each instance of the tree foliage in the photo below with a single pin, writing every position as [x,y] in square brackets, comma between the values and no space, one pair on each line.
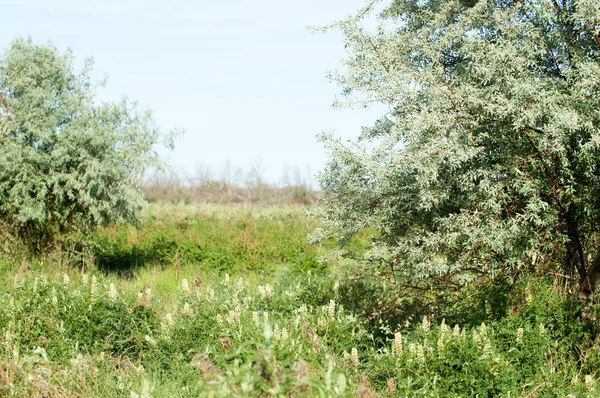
[66,160]
[487,161]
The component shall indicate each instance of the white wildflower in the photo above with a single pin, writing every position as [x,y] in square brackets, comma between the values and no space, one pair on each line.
[150,340]
[425,325]
[354,356]
[169,319]
[543,329]
[589,382]
[445,328]
[226,280]
[255,318]
[276,332]
[54,298]
[397,347]
[420,353]
[186,309]
[440,342]
[487,349]
[112,293]
[483,330]
[284,334]
[185,285]
[94,288]
[456,331]
[85,279]
[520,334]
[331,309]
[265,316]
[66,280]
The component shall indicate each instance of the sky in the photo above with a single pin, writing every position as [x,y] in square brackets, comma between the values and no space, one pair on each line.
[245,79]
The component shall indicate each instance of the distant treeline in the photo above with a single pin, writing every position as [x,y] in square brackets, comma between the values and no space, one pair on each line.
[229,184]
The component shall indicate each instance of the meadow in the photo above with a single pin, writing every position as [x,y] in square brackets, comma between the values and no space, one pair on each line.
[222,301]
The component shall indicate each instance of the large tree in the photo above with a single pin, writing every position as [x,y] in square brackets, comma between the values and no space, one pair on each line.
[487,161]
[66,160]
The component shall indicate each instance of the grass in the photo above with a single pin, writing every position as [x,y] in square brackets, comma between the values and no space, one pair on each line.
[231,301]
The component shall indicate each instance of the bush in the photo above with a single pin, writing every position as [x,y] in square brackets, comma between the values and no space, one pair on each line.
[66,162]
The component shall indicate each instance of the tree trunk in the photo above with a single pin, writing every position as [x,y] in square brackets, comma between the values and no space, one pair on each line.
[587,269]
[587,286]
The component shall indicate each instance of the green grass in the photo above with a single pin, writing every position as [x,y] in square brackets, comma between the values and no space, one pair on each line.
[177,307]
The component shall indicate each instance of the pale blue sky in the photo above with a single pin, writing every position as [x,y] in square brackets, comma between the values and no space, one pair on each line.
[245,79]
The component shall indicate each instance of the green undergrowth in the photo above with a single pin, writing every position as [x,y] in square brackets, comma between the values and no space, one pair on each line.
[88,335]
[210,238]
[217,301]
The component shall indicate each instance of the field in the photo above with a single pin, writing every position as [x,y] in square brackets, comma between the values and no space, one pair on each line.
[231,301]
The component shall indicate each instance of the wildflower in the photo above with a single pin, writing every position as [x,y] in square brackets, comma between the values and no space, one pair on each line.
[456,331]
[520,333]
[211,293]
[445,328]
[420,353]
[354,356]
[219,319]
[543,329]
[112,293]
[61,327]
[149,292]
[440,342]
[265,316]
[303,310]
[488,308]
[589,382]
[169,318]
[94,288]
[85,279]
[426,325]
[284,334]
[397,347]
[66,280]
[297,321]
[255,318]
[226,279]
[54,298]
[331,308]
[276,332]
[150,340]
[186,309]
[35,283]
[185,285]
[336,287]
[487,349]
[483,330]
[412,350]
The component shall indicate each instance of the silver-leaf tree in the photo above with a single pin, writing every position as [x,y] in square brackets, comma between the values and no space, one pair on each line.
[487,159]
[67,161]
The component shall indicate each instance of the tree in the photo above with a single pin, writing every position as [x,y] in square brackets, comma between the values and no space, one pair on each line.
[487,161]
[66,161]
